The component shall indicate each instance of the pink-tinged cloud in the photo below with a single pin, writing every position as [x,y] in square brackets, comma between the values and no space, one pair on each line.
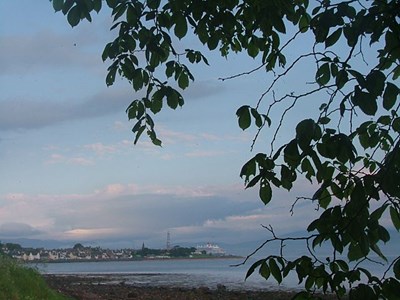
[172,137]
[210,137]
[84,233]
[56,159]
[100,149]
[117,189]
[126,210]
[14,196]
[81,161]
[62,159]
[120,126]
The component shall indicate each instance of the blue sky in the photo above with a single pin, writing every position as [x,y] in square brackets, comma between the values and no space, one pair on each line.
[68,166]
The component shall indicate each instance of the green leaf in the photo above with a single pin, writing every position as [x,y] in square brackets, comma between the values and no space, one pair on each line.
[324,120]
[396,269]
[333,38]
[396,124]
[74,16]
[377,214]
[396,73]
[279,24]
[394,215]
[138,134]
[264,270]
[110,78]
[253,50]
[291,154]
[390,95]
[181,27]
[325,199]
[309,283]
[67,6]
[157,102]
[343,265]
[275,271]
[317,241]
[383,234]
[305,132]
[132,15]
[183,81]
[288,176]
[257,117]
[384,120]
[378,251]
[336,243]
[365,101]
[153,4]
[172,99]
[323,74]
[362,291]
[375,82]
[341,79]
[253,267]
[112,3]
[391,288]
[304,22]
[152,134]
[58,5]
[244,118]
[97,5]
[265,191]
[253,182]
[307,168]
[354,252]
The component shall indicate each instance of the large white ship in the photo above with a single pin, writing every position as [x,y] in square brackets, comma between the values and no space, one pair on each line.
[210,249]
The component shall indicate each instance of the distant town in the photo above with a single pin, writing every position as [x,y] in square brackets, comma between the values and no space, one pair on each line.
[81,253]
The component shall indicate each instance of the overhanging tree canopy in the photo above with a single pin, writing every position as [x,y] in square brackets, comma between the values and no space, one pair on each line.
[350,150]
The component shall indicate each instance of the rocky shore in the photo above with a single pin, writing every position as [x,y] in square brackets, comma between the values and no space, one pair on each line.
[106,287]
[85,287]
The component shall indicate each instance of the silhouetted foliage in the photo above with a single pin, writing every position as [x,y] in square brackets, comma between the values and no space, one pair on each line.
[350,149]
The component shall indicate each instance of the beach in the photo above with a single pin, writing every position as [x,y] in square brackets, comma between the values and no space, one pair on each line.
[163,279]
[89,287]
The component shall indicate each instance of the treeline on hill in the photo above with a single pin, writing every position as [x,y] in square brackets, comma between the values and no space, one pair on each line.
[176,251]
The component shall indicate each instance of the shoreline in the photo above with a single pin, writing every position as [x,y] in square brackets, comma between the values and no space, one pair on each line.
[113,286]
[56,261]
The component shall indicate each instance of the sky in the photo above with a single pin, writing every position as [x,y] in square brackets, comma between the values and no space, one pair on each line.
[68,167]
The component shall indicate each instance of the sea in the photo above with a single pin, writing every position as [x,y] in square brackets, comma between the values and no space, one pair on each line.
[184,273]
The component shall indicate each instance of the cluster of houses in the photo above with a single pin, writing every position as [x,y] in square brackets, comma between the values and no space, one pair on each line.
[81,253]
[78,252]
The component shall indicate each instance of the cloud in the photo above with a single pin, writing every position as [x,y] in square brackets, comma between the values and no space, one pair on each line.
[40,55]
[17,230]
[201,89]
[94,233]
[124,211]
[173,137]
[144,213]
[101,149]
[49,49]
[56,158]
[27,114]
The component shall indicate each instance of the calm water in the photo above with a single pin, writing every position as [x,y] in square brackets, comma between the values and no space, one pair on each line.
[180,273]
